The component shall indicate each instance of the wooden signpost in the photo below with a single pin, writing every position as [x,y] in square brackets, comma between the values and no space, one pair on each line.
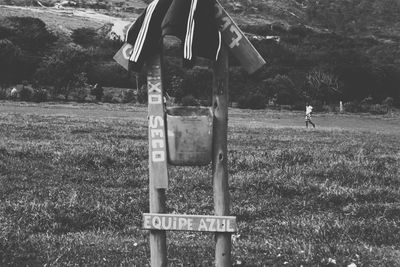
[220,155]
[158,173]
[221,224]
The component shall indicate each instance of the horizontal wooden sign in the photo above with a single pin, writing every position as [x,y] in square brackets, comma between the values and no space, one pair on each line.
[198,223]
[231,35]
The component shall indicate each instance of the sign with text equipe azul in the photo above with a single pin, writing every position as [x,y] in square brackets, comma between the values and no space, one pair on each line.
[198,223]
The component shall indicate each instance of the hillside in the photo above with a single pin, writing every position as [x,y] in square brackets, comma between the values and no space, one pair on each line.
[353,44]
[360,18]
[65,20]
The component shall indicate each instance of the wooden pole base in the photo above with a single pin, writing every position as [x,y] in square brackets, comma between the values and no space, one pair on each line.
[220,154]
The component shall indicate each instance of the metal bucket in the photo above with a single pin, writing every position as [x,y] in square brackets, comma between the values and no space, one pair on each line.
[189,131]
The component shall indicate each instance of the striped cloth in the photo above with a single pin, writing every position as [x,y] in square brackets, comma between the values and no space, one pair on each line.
[192,21]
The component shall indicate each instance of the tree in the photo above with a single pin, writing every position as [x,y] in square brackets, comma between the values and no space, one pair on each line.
[30,34]
[32,38]
[64,69]
[98,92]
[322,85]
[85,37]
[282,89]
[197,82]
[9,58]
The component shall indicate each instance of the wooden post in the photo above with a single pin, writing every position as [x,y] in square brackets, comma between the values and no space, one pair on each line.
[220,154]
[158,175]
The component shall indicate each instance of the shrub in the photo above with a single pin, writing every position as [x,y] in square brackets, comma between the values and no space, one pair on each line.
[128,96]
[378,109]
[352,107]
[97,91]
[39,95]
[355,107]
[196,82]
[79,94]
[282,88]
[254,101]
[388,101]
[142,95]
[109,74]
[3,94]
[25,94]
[367,101]
[189,100]
[85,36]
[108,98]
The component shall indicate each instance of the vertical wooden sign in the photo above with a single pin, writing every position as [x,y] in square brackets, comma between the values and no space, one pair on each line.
[158,172]
[157,126]
[220,155]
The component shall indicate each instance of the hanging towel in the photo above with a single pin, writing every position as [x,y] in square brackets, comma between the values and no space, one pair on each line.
[192,21]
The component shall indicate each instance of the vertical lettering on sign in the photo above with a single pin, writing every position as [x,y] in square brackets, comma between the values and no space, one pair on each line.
[235,41]
[157,138]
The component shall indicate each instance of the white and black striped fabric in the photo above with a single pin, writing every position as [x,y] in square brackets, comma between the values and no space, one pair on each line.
[192,21]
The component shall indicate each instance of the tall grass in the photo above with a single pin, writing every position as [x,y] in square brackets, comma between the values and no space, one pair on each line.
[73,190]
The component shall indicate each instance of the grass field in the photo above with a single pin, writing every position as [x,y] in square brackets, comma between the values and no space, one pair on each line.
[73,186]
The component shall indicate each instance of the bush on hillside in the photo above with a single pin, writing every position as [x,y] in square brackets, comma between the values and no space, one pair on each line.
[39,95]
[128,96]
[378,109]
[108,74]
[189,100]
[108,97]
[28,33]
[79,94]
[196,82]
[85,36]
[283,89]
[388,101]
[25,94]
[3,94]
[142,95]
[352,107]
[10,55]
[367,101]
[253,101]
[66,70]
[356,107]
[97,91]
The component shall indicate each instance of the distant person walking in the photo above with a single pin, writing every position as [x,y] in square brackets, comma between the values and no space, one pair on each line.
[14,93]
[309,109]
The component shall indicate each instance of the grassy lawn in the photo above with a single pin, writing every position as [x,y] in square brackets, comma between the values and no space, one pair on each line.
[73,186]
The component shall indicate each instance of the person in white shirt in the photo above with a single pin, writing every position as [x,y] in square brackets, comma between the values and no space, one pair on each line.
[309,109]
[14,93]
